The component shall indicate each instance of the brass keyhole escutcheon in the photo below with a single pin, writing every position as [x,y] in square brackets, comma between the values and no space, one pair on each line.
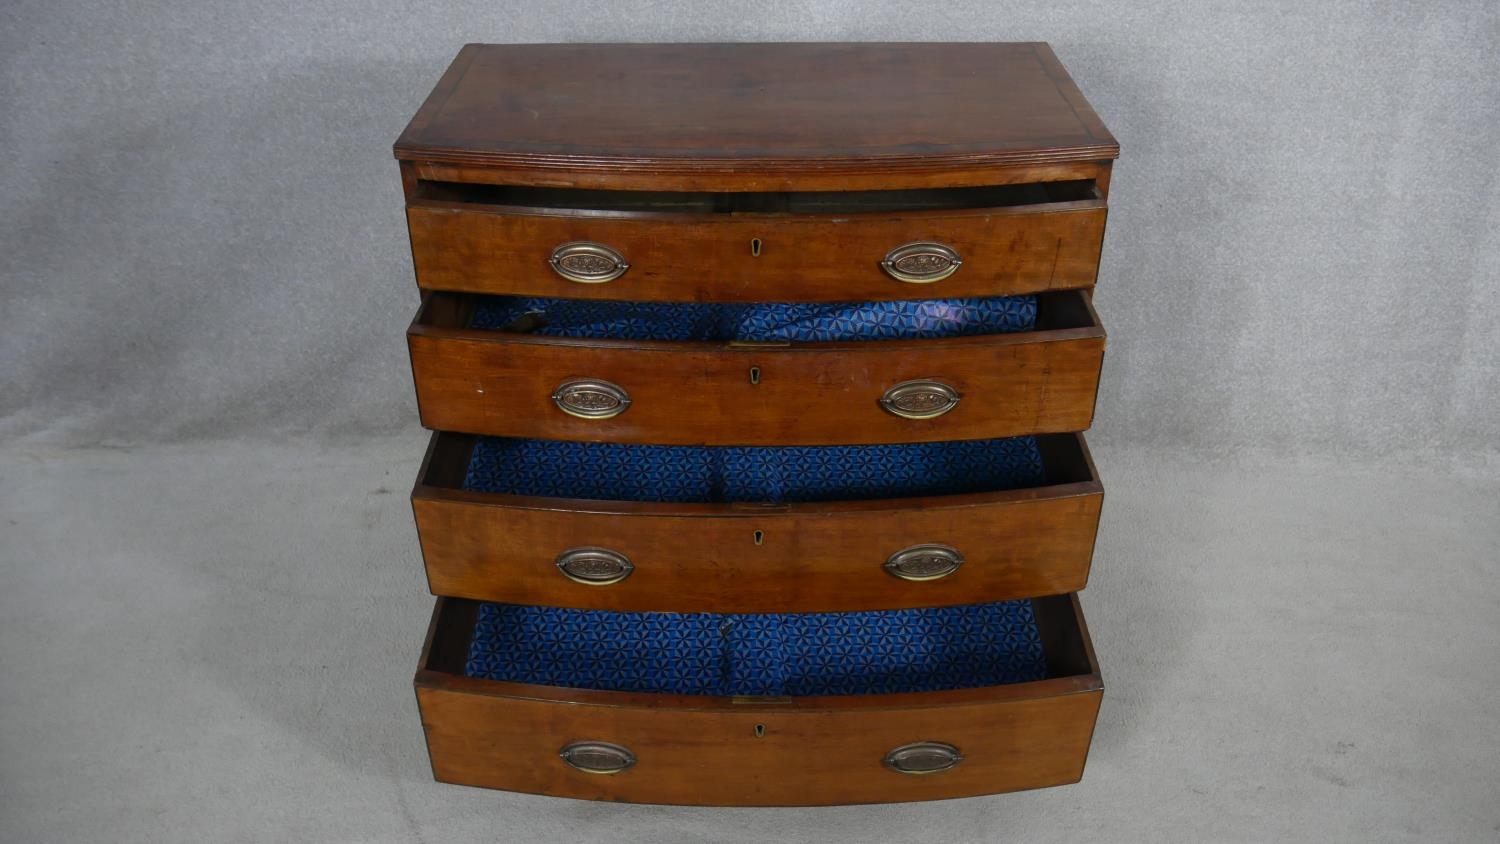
[760,535]
[760,730]
[754,375]
[755,247]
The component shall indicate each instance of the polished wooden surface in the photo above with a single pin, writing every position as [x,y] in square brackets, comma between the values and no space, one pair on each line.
[826,156]
[827,556]
[730,179]
[693,393]
[678,249]
[776,751]
[540,109]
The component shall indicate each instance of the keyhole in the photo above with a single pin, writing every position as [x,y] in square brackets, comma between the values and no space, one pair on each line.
[754,375]
[759,535]
[755,247]
[760,730]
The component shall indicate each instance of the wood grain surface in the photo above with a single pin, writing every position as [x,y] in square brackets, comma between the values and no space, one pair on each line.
[766,108]
[697,393]
[680,249]
[759,752]
[821,557]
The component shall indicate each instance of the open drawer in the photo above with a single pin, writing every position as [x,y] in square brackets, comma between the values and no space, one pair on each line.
[1003,697]
[664,246]
[757,374]
[611,526]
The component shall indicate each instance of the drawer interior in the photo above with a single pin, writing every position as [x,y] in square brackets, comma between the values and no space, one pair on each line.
[756,322]
[753,202]
[774,654]
[775,474]
[769,322]
[759,474]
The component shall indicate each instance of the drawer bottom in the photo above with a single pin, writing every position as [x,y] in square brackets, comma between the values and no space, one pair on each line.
[835,743]
[758,474]
[759,322]
[801,654]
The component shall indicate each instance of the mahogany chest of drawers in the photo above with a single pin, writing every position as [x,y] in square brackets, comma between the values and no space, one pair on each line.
[757,374]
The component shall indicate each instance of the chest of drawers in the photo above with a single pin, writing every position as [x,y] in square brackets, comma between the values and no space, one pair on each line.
[757,375]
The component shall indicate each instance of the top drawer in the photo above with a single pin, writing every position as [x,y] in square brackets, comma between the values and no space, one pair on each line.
[742,247]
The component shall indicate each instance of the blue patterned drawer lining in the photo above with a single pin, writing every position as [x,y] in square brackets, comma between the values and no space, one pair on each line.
[852,653]
[763,321]
[682,474]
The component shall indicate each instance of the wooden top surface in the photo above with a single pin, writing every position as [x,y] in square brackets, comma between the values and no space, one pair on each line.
[787,108]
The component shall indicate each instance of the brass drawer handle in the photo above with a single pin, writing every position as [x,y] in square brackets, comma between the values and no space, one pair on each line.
[921,263]
[921,399]
[591,399]
[923,757]
[597,757]
[924,562]
[588,263]
[594,566]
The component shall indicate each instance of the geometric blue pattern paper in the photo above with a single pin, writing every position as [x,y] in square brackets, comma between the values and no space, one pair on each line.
[794,654]
[791,321]
[775,474]
[849,472]
[917,650]
[674,653]
[608,471]
[617,320]
[925,320]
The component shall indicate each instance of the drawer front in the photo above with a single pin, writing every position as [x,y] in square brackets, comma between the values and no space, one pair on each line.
[836,556]
[686,749]
[757,257]
[517,385]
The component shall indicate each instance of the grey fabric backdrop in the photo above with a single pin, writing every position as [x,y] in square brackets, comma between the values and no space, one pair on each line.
[202,232]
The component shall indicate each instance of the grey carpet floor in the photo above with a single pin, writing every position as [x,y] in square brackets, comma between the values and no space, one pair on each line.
[215,643]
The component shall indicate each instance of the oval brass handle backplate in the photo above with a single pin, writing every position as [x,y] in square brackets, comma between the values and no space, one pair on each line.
[920,399]
[594,566]
[589,398]
[597,757]
[921,263]
[923,757]
[924,562]
[587,263]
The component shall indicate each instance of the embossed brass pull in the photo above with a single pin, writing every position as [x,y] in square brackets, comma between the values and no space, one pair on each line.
[594,566]
[924,562]
[591,399]
[922,399]
[588,263]
[597,757]
[921,263]
[923,757]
